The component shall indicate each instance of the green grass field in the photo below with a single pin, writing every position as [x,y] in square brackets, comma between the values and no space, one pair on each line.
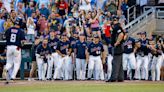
[85,86]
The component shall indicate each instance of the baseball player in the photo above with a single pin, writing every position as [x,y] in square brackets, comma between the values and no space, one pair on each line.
[52,41]
[81,54]
[14,39]
[146,59]
[141,52]
[43,56]
[157,60]
[95,50]
[64,51]
[73,39]
[129,60]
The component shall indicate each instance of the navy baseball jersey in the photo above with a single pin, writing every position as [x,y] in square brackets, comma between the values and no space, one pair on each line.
[129,45]
[95,49]
[80,49]
[73,42]
[144,42]
[63,47]
[43,51]
[53,43]
[142,51]
[159,50]
[14,36]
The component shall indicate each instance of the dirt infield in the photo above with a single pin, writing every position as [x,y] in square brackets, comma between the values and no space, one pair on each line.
[29,83]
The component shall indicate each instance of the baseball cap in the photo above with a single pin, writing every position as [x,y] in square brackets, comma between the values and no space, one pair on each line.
[139,33]
[18,21]
[82,34]
[75,32]
[96,36]
[137,40]
[115,18]
[64,34]
[143,32]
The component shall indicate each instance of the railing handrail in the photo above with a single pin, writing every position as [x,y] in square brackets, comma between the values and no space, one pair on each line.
[133,13]
[155,7]
[139,18]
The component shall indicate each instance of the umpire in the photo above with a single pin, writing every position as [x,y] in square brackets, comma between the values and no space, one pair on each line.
[117,43]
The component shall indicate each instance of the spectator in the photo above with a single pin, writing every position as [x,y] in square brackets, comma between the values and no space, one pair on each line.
[2,21]
[124,8]
[30,10]
[53,22]
[8,24]
[30,29]
[44,11]
[13,15]
[111,6]
[63,7]
[95,23]
[45,2]
[100,4]
[43,23]
[20,8]
[122,19]
[85,5]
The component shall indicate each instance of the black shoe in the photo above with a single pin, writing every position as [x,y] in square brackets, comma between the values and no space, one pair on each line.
[135,79]
[89,79]
[120,80]
[111,81]
[57,79]
[143,79]
[49,79]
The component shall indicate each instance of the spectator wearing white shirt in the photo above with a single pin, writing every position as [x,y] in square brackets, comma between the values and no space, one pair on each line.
[85,5]
[30,29]
[45,2]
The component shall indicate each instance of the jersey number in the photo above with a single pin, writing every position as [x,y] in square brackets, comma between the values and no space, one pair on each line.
[13,38]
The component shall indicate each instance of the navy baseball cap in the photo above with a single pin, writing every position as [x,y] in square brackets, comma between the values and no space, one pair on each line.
[64,34]
[137,40]
[143,32]
[115,18]
[139,33]
[82,34]
[75,32]
[96,36]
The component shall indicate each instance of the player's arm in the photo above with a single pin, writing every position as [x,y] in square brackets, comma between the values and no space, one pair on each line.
[119,39]
[87,53]
[38,51]
[103,55]
[58,50]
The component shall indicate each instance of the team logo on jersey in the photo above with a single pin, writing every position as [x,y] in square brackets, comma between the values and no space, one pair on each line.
[53,44]
[95,49]
[64,47]
[128,43]
[14,30]
[44,52]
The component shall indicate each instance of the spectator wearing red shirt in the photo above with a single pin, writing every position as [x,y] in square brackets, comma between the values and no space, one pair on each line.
[107,30]
[63,7]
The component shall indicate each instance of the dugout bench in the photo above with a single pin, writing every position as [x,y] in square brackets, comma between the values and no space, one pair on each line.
[25,58]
